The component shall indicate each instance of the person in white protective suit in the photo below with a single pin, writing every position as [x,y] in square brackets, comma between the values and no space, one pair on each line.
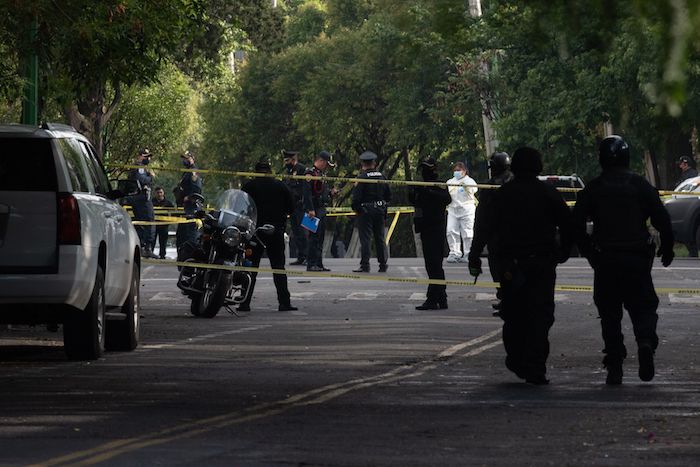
[460,214]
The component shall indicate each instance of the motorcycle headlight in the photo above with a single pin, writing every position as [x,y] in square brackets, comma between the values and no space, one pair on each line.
[231,236]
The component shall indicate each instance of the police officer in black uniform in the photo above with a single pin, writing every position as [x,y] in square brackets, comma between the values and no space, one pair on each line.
[499,169]
[190,183]
[430,221]
[370,202]
[161,233]
[687,166]
[621,252]
[688,170]
[292,166]
[531,224]
[141,202]
[274,203]
[316,197]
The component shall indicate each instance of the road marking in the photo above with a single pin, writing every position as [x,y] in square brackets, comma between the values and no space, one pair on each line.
[315,396]
[686,299]
[302,295]
[418,271]
[485,296]
[361,296]
[165,297]
[560,297]
[418,296]
[194,340]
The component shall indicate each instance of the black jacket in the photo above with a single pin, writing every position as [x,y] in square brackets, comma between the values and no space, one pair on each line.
[295,185]
[690,173]
[525,217]
[619,203]
[430,203]
[316,193]
[370,192]
[485,197]
[273,200]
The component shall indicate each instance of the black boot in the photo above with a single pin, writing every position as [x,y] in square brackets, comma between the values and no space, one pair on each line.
[646,362]
[614,368]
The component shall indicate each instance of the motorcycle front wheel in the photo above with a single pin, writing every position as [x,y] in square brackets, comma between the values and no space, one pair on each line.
[208,304]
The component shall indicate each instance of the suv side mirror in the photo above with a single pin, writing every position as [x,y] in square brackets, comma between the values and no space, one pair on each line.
[115,194]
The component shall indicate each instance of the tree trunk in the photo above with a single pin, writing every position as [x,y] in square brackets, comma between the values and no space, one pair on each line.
[91,114]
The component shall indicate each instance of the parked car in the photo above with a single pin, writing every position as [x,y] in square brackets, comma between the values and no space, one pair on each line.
[564,181]
[68,252]
[685,213]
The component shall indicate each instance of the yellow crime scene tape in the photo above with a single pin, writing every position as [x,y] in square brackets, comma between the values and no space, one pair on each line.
[391,279]
[236,173]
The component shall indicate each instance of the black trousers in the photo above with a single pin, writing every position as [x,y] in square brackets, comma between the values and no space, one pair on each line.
[527,311]
[494,268]
[186,232]
[433,243]
[624,280]
[298,233]
[143,211]
[275,252]
[161,238]
[314,255]
[370,226]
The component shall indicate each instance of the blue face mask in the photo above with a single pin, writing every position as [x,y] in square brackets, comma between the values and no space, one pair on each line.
[458,174]
[146,160]
[186,163]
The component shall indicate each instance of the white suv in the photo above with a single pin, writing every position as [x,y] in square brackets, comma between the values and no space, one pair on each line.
[68,251]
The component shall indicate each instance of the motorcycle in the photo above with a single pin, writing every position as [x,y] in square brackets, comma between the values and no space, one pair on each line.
[228,233]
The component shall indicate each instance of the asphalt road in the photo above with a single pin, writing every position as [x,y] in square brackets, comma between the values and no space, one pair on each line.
[357,376]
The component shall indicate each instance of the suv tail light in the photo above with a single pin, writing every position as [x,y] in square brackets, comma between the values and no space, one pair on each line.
[68,220]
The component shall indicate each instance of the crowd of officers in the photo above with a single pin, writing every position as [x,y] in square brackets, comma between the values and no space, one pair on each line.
[525,224]
[143,203]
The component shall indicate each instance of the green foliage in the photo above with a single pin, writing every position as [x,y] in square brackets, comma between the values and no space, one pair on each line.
[161,117]
[307,23]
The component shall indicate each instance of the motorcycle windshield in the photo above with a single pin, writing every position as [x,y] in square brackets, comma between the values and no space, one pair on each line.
[237,209]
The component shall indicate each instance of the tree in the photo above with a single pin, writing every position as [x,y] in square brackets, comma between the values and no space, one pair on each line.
[91,51]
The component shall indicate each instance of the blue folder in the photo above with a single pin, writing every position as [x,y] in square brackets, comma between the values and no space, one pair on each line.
[310,223]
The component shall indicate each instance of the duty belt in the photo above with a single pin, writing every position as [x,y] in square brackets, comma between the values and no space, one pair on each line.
[375,204]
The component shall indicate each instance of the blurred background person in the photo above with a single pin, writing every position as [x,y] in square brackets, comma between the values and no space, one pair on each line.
[317,195]
[141,202]
[460,213]
[190,183]
[161,236]
[430,221]
[292,166]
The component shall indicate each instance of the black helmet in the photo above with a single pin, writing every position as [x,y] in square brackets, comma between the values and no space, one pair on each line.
[613,152]
[526,161]
[499,162]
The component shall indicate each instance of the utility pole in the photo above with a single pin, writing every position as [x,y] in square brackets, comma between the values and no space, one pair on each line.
[31,79]
[490,141]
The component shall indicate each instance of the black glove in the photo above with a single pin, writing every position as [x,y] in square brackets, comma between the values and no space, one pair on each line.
[666,255]
[475,266]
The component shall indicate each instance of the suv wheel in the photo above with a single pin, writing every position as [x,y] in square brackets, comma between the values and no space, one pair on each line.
[124,334]
[84,331]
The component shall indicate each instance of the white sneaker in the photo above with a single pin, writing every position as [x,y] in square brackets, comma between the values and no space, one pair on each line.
[452,258]
[463,259]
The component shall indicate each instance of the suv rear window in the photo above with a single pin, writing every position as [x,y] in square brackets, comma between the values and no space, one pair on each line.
[26,164]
